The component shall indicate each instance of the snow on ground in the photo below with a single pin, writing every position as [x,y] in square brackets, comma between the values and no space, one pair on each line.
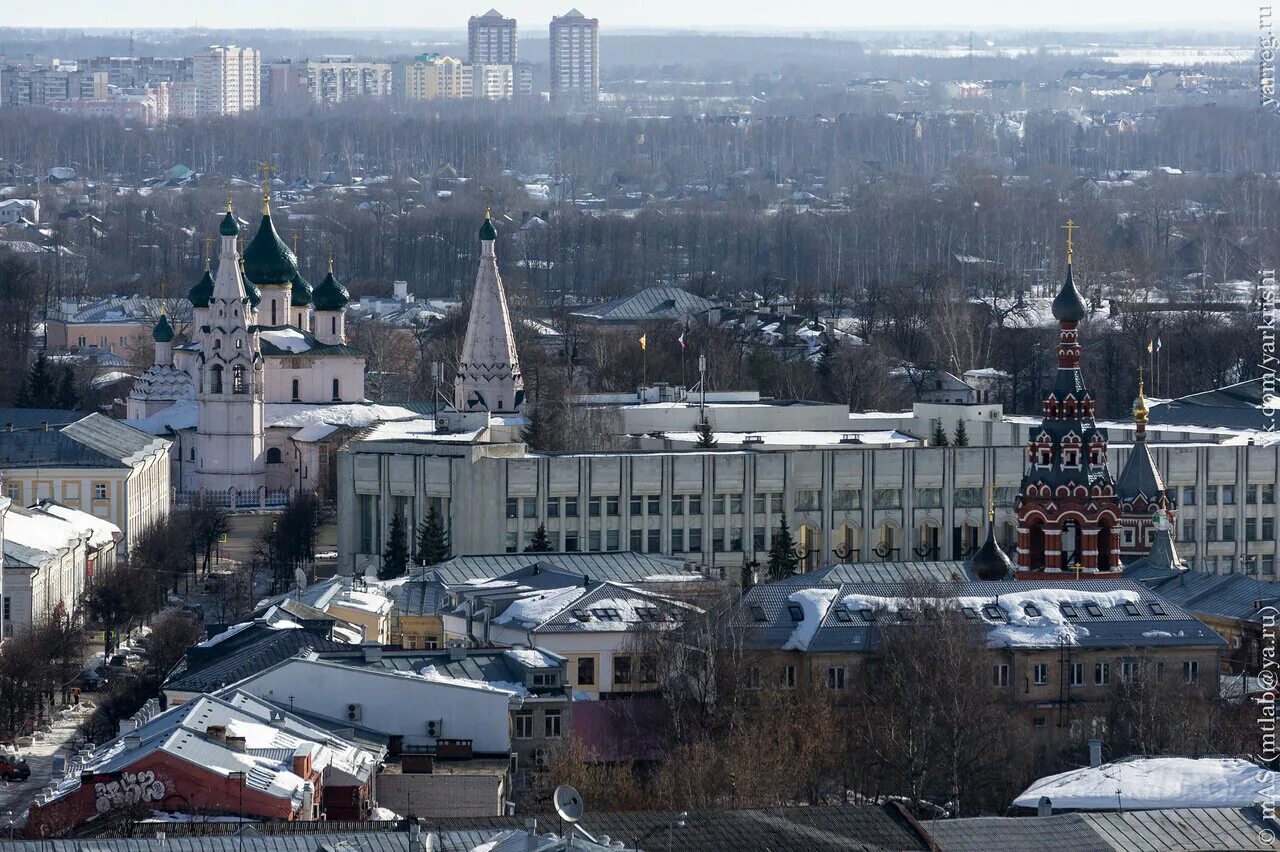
[814,603]
[435,675]
[1047,629]
[534,609]
[1144,783]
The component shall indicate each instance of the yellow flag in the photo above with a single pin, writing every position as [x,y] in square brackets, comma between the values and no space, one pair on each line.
[1150,347]
[644,341]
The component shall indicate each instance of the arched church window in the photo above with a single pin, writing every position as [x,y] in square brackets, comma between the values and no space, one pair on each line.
[337,391]
[273,311]
[296,397]
[237,379]
[333,326]
[215,379]
[273,455]
[217,344]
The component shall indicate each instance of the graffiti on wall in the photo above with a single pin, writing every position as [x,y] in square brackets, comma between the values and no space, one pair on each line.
[128,789]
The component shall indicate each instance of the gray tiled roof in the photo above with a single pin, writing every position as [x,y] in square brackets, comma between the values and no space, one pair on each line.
[1172,830]
[1226,595]
[1113,628]
[651,303]
[1237,406]
[619,567]
[257,647]
[895,572]
[84,440]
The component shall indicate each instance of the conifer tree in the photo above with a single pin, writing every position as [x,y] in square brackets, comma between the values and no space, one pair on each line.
[939,435]
[962,435]
[67,396]
[540,543]
[39,390]
[433,541]
[706,437]
[395,559]
[783,561]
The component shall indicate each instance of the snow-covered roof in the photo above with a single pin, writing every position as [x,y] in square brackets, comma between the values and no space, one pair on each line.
[101,531]
[281,415]
[35,539]
[1141,783]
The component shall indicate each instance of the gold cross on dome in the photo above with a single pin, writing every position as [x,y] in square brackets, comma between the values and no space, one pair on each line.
[208,244]
[294,239]
[1070,228]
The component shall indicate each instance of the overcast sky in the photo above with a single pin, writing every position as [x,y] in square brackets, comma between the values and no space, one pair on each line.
[1091,15]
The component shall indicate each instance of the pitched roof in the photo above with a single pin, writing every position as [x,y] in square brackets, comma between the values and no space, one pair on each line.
[1170,830]
[651,303]
[1238,406]
[1140,477]
[1234,596]
[207,668]
[86,440]
[820,617]
[620,566]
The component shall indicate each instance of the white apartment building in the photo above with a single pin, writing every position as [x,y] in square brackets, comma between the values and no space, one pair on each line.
[575,59]
[228,80]
[488,82]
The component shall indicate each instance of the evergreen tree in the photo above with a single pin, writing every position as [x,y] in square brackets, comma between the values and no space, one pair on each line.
[783,561]
[748,569]
[939,435]
[395,559]
[433,541]
[541,543]
[535,431]
[706,437]
[962,435]
[67,396]
[39,390]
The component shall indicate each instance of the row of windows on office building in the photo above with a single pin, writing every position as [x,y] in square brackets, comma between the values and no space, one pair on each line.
[806,500]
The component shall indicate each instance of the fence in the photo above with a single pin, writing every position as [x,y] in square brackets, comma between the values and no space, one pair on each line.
[235,499]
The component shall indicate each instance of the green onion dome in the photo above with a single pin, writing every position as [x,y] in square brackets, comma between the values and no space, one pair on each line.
[163,332]
[202,292]
[330,295]
[267,260]
[301,294]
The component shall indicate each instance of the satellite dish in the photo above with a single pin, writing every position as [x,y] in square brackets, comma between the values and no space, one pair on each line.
[300,577]
[568,803]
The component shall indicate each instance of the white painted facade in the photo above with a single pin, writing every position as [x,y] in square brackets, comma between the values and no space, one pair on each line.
[45,567]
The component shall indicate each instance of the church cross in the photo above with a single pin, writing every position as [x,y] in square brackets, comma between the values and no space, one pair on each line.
[1071,227]
[208,244]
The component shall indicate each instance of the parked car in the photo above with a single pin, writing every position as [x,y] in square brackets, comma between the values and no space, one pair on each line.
[90,681]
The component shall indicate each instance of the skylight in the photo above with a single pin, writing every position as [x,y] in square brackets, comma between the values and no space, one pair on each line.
[842,614]
[1031,610]
[1156,608]
[580,614]
[1130,608]
[993,612]
[1069,610]
[1093,609]
[607,613]
[969,613]
[757,613]
[796,611]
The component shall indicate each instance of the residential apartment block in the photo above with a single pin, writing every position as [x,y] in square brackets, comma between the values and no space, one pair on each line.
[575,59]
[228,80]
[492,39]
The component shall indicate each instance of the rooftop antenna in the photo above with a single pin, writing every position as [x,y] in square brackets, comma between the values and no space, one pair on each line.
[702,384]
[568,804]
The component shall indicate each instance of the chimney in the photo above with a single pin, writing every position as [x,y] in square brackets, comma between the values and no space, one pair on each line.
[44,425]
[216,733]
[487,612]
[160,840]
[372,651]
[471,611]
[1095,753]
[236,743]
[457,652]
[302,762]
[132,741]
[1044,807]
[531,835]
[586,581]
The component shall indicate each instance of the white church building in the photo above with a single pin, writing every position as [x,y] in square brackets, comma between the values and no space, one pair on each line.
[259,397]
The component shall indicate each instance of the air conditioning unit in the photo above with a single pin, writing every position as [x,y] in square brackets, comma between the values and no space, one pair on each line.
[540,759]
[353,712]
[434,727]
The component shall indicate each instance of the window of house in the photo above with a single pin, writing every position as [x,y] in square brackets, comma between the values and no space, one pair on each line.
[612,506]
[758,538]
[296,395]
[1189,495]
[1128,670]
[1268,495]
[530,507]
[787,677]
[1077,674]
[622,669]
[717,540]
[337,391]
[571,507]
[1040,722]
[654,540]
[775,503]
[551,723]
[655,504]
[1228,495]
[553,507]
[637,504]
[695,504]
[512,542]
[758,504]
[1191,671]
[927,498]
[677,541]
[637,541]
[835,677]
[1041,674]
[695,539]
[523,724]
[677,504]
[571,541]
[273,455]
[1211,529]
[99,490]
[753,675]
[717,504]
[593,540]
[513,507]
[1000,674]
[586,671]
[1130,608]
[1102,673]
[1189,530]
[648,668]
[593,507]
[1228,529]
[546,680]
[215,379]
[1211,495]
[886,498]
[808,500]
[1268,529]
[611,539]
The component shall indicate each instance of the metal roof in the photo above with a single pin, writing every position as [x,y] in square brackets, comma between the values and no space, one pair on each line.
[87,440]
[651,303]
[895,572]
[1171,830]
[620,567]
[842,631]
[1237,406]
[257,647]
[1226,595]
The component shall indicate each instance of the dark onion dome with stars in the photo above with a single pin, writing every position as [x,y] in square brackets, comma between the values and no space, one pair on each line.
[330,295]
[163,332]
[300,295]
[1067,507]
[200,294]
[228,226]
[991,562]
[268,262]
